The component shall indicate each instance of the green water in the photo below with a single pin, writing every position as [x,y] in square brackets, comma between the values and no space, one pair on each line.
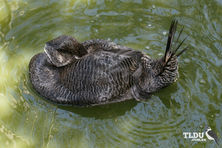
[194,101]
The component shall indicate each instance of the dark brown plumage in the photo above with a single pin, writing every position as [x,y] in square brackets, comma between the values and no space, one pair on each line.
[99,72]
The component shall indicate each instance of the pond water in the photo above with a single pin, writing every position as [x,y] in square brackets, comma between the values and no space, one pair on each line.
[189,105]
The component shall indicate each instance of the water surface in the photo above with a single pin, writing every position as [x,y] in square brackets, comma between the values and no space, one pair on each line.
[194,101]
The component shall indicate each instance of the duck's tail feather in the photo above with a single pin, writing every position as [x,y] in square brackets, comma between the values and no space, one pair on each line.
[171,35]
[182,51]
[170,51]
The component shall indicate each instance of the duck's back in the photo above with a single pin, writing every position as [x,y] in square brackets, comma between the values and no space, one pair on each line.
[103,76]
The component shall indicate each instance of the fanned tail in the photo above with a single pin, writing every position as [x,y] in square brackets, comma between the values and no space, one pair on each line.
[169,49]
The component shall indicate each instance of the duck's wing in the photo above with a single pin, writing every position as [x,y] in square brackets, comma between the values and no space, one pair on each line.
[99,44]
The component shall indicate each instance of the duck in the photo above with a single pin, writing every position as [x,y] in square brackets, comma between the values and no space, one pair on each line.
[98,72]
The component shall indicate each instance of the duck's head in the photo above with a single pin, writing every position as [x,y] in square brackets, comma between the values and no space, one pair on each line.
[64,50]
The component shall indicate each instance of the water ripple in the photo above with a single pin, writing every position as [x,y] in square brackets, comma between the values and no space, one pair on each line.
[188,105]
